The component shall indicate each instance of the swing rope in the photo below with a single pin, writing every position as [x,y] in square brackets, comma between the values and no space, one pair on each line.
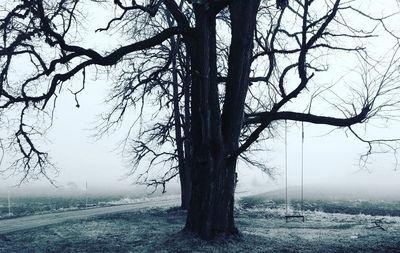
[302,174]
[302,167]
[286,169]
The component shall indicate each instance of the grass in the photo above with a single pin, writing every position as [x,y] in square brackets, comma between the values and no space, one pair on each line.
[23,206]
[263,229]
[368,207]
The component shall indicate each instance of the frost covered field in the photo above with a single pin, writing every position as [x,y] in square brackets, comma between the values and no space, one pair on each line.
[259,219]
[25,206]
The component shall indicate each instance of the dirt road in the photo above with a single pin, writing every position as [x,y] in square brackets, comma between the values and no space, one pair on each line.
[22,223]
[27,222]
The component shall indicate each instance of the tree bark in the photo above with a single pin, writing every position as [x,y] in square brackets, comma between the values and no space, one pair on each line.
[178,128]
[187,139]
[183,145]
[214,137]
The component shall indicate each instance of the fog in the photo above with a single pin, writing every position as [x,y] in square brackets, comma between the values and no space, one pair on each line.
[331,161]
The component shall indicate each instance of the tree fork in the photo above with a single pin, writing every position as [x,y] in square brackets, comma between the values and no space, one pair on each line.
[215,137]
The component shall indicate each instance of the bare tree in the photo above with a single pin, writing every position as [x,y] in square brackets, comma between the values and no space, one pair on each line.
[275,69]
[159,76]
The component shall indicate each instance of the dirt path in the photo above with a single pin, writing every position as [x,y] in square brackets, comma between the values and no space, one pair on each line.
[22,223]
[27,222]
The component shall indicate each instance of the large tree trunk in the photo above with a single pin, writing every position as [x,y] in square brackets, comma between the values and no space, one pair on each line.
[243,22]
[214,141]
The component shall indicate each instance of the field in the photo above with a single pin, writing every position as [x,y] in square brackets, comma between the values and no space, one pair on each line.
[23,206]
[366,207]
[330,226]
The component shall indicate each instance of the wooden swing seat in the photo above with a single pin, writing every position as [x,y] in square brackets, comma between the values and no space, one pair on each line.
[288,217]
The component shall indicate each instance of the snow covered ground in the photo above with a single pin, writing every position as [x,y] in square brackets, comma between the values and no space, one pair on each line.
[263,229]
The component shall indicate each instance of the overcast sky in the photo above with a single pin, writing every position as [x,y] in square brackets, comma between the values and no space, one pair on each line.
[328,159]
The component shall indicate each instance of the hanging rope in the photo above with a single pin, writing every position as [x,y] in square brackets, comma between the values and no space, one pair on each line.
[286,169]
[301,215]
[302,167]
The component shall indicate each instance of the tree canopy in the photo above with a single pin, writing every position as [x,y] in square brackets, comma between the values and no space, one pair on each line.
[232,71]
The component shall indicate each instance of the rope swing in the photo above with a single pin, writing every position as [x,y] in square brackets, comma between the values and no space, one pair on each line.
[301,214]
